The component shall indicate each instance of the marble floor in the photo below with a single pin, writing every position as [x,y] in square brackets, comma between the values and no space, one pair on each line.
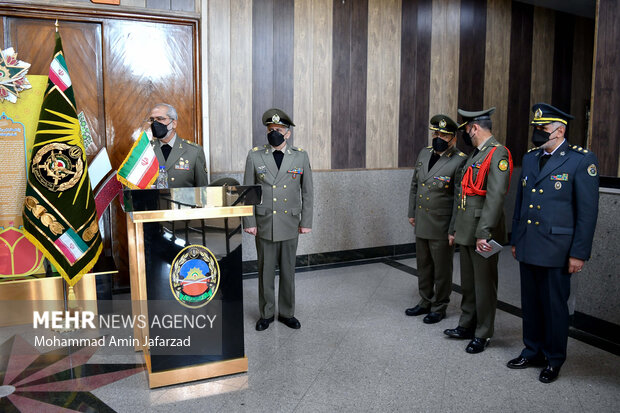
[356,351]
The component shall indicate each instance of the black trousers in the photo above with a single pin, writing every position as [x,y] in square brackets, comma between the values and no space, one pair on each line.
[544,301]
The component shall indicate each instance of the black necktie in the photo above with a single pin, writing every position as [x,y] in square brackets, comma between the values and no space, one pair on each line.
[543,160]
[165,149]
[434,158]
[277,156]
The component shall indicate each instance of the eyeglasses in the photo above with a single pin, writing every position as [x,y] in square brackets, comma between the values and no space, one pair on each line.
[157,118]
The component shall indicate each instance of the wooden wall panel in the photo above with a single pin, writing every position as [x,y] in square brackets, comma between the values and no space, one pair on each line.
[518,129]
[581,81]
[220,73]
[472,50]
[262,66]
[272,61]
[563,61]
[444,79]
[313,79]
[542,56]
[414,75]
[605,140]
[34,41]
[497,63]
[384,19]
[349,51]
[240,83]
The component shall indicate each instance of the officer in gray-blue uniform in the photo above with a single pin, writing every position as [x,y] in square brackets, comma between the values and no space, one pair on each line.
[283,171]
[553,226]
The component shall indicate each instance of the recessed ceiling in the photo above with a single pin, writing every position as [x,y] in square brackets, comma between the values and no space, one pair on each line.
[585,8]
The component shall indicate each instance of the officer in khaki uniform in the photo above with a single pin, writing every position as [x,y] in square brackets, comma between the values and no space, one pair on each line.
[479,217]
[431,200]
[184,160]
[284,173]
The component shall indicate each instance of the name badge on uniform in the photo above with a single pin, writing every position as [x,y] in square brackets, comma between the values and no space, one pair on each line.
[559,177]
[295,172]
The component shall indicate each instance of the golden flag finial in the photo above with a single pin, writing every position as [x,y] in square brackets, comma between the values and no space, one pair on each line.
[56,25]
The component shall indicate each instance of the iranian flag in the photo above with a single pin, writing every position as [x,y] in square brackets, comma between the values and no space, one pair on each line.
[140,169]
[71,245]
[59,75]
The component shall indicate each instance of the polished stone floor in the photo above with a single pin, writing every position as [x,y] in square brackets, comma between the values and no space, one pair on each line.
[357,351]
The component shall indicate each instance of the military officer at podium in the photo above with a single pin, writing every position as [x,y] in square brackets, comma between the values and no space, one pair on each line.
[283,171]
[184,160]
[553,226]
[431,199]
[479,217]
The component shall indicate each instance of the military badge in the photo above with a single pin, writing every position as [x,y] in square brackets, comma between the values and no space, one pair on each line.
[275,118]
[558,185]
[592,170]
[445,179]
[194,276]
[442,123]
[559,177]
[503,165]
[58,166]
[538,114]
[524,182]
[261,177]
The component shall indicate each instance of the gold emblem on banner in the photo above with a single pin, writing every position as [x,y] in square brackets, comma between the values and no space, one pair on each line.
[46,218]
[58,166]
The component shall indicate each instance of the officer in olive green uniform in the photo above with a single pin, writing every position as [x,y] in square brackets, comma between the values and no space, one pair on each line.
[431,201]
[284,173]
[479,218]
[184,160]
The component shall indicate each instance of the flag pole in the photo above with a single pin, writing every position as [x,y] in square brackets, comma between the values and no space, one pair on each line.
[56,25]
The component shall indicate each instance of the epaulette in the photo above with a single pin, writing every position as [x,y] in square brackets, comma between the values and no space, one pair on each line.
[497,144]
[254,149]
[189,142]
[462,154]
[429,147]
[531,149]
[578,148]
[295,148]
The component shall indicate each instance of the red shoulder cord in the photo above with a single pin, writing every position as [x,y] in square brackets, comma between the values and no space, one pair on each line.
[475,188]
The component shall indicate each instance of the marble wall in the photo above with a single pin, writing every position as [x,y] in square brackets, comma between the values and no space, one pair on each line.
[598,285]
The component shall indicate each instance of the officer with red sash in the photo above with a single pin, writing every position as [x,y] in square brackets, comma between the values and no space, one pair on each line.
[552,231]
[479,217]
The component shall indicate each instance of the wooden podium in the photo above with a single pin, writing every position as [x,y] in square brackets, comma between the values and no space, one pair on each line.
[185,263]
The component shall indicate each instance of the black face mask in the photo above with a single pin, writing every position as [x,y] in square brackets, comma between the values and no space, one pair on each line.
[159,130]
[540,137]
[439,145]
[467,139]
[275,138]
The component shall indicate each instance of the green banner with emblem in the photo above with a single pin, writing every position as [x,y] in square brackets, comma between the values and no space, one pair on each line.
[59,213]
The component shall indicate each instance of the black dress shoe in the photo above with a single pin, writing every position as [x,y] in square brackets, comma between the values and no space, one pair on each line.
[477,345]
[549,374]
[263,323]
[417,310]
[290,322]
[522,363]
[459,332]
[433,317]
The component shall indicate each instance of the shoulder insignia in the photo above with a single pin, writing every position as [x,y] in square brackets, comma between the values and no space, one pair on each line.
[592,170]
[531,149]
[189,142]
[254,149]
[503,165]
[578,149]
[462,154]
[295,148]
[497,144]
[429,147]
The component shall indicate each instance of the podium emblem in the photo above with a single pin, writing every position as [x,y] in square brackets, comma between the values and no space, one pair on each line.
[194,276]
